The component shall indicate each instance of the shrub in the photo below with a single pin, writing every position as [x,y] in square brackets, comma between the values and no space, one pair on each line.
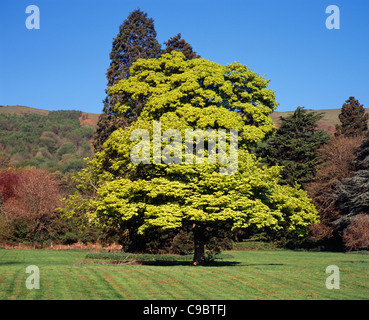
[31,197]
[67,147]
[356,235]
[182,243]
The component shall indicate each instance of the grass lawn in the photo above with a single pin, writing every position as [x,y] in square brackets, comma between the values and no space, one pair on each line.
[241,275]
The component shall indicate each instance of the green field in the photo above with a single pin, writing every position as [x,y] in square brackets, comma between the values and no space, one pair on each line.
[240,275]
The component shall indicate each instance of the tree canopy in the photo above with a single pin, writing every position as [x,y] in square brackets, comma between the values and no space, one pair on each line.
[353,192]
[184,94]
[179,44]
[136,39]
[354,120]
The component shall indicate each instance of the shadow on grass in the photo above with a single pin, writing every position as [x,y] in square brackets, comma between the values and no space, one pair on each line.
[163,263]
[10,263]
[263,264]
[156,259]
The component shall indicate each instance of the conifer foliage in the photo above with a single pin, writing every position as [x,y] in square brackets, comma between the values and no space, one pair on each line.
[136,39]
[179,44]
[354,120]
[295,146]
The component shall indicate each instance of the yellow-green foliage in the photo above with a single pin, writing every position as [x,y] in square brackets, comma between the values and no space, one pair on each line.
[184,94]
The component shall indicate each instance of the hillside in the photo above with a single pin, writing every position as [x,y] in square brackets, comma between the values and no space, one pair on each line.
[86,118]
[54,140]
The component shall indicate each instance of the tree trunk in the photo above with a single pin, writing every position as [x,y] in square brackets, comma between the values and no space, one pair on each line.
[199,255]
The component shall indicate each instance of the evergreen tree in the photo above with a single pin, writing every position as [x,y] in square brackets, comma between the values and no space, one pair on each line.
[295,146]
[354,120]
[136,39]
[179,44]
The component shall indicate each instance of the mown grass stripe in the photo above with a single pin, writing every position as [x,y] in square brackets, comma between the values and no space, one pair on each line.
[242,275]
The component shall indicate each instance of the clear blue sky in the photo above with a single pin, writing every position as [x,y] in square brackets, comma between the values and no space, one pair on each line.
[62,65]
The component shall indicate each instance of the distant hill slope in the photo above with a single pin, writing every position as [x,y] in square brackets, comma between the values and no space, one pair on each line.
[87,118]
[53,140]
[22,110]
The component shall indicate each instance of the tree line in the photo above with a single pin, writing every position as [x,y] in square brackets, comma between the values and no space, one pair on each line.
[328,168]
[296,185]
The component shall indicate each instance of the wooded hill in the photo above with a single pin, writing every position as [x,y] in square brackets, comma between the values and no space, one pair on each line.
[53,140]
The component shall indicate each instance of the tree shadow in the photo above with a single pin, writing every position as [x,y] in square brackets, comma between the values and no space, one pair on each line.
[263,264]
[9,262]
[223,263]
[166,263]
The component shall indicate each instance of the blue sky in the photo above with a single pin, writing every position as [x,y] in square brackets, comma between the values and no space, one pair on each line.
[62,65]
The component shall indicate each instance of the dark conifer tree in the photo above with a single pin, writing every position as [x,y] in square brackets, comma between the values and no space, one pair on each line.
[354,120]
[136,39]
[295,146]
[179,44]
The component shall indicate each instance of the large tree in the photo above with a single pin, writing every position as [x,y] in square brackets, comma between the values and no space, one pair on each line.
[170,192]
[353,118]
[295,146]
[136,39]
